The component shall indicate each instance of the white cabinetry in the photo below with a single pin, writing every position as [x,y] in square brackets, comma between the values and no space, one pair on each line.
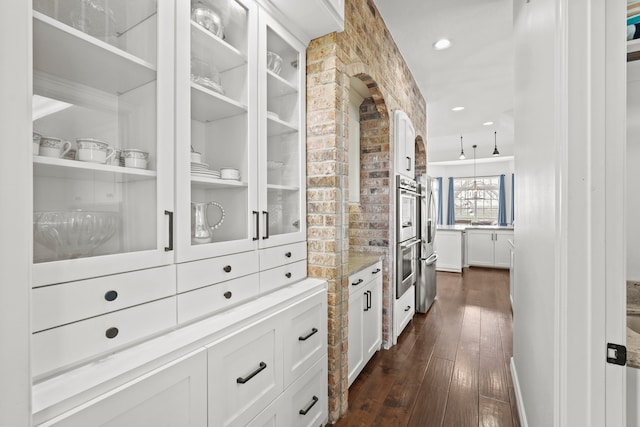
[173,395]
[404,309]
[265,361]
[488,248]
[449,245]
[404,145]
[314,18]
[365,317]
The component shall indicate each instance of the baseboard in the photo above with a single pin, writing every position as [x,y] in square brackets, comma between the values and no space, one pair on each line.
[519,402]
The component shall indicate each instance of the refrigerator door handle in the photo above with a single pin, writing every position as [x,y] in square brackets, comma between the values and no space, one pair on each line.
[432,259]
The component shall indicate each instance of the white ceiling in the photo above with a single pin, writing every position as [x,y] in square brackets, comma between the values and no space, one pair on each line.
[476,72]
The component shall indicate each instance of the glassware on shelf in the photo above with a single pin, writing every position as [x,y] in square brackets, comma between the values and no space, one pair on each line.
[206,74]
[95,18]
[74,234]
[274,62]
[201,229]
[208,18]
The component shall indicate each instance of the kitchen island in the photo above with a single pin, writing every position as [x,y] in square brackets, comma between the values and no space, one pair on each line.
[464,245]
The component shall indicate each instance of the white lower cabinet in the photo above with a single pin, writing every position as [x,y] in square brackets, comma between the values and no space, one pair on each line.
[223,370]
[174,395]
[449,244]
[304,403]
[488,248]
[405,308]
[245,373]
[365,318]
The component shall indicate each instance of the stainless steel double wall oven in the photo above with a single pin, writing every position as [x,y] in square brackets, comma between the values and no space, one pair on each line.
[407,199]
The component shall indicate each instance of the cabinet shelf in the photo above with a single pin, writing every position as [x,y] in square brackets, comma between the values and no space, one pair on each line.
[277,86]
[72,55]
[282,187]
[209,183]
[277,127]
[208,105]
[226,56]
[75,169]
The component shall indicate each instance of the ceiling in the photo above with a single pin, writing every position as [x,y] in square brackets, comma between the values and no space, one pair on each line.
[476,72]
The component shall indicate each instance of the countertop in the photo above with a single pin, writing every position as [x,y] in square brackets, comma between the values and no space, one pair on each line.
[633,338]
[463,227]
[359,261]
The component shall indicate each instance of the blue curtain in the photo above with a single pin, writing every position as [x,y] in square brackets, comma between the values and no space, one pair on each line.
[502,204]
[439,181]
[512,198]
[451,212]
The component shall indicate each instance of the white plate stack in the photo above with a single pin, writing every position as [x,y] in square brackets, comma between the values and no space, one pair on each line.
[230,173]
[202,170]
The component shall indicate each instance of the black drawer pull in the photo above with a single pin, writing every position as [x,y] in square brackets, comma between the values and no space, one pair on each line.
[111,333]
[376,271]
[308,408]
[288,254]
[227,295]
[408,308]
[262,367]
[111,295]
[227,269]
[313,332]
[357,283]
[288,275]
[170,247]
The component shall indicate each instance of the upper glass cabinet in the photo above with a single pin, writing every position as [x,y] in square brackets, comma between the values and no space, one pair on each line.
[282,125]
[103,136]
[216,151]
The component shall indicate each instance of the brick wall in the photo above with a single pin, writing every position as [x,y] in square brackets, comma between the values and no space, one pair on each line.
[364,50]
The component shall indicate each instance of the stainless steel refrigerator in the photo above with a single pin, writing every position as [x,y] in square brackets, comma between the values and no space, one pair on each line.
[427,257]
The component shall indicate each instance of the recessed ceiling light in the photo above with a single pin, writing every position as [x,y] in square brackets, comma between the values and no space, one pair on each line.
[457,109]
[487,123]
[442,44]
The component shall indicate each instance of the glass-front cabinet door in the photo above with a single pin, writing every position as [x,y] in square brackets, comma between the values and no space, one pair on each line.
[281,136]
[103,137]
[216,153]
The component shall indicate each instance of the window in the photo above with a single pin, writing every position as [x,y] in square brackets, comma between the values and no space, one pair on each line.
[476,200]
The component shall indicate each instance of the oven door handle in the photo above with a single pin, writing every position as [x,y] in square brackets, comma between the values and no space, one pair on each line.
[408,245]
[410,193]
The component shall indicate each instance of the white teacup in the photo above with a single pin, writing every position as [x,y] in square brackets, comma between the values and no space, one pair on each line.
[93,150]
[134,158]
[53,147]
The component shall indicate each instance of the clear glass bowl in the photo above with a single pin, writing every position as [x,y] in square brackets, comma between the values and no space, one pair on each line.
[206,74]
[208,19]
[74,234]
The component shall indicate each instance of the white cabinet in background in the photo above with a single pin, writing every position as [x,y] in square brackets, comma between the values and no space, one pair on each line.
[173,395]
[365,318]
[449,244]
[488,248]
[404,145]
[314,18]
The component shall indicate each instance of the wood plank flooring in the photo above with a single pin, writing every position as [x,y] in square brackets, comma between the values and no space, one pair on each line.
[450,367]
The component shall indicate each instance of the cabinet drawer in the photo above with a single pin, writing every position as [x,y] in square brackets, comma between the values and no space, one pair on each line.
[69,302]
[282,276]
[207,300]
[280,255]
[77,342]
[306,399]
[245,374]
[361,278]
[305,336]
[405,309]
[307,395]
[193,275]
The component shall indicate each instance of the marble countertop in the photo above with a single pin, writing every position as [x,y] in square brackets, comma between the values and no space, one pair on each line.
[359,261]
[633,337]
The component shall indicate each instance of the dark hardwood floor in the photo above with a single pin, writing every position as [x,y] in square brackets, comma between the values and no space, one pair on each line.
[450,367]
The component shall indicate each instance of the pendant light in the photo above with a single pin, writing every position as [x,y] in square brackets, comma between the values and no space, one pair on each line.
[495,145]
[461,156]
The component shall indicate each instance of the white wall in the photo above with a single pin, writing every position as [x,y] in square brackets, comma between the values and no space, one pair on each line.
[484,167]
